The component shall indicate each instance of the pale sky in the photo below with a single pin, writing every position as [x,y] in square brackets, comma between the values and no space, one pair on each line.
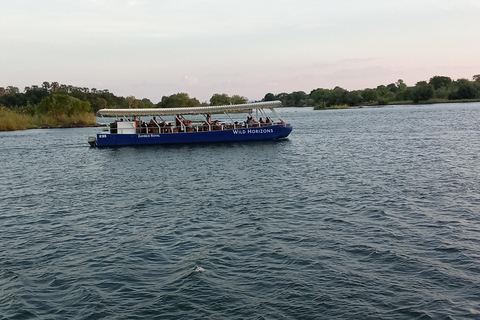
[152,48]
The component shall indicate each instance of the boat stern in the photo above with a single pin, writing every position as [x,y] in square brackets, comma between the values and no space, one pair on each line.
[92,141]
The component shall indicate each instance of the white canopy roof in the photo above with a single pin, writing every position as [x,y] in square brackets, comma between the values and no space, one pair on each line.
[193,110]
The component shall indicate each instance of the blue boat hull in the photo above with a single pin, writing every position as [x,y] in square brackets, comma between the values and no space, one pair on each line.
[245,134]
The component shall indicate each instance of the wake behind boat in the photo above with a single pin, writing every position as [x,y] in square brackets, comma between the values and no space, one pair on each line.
[172,125]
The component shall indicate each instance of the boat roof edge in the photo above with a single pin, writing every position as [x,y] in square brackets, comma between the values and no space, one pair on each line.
[189,110]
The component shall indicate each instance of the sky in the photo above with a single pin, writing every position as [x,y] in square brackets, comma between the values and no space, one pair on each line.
[155,48]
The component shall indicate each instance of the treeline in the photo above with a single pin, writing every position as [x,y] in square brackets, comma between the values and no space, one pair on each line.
[28,100]
[437,89]
[46,106]
[183,100]
[11,96]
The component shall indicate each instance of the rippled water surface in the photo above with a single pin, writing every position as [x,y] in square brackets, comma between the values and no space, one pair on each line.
[361,214]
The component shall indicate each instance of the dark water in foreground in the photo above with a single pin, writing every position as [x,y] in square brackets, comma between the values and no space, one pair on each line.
[361,214]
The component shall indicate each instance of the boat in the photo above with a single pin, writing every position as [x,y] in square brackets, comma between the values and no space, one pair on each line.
[191,125]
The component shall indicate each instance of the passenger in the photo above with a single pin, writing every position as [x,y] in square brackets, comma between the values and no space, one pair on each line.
[178,120]
[261,120]
[251,122]
[267,120]
[209,119]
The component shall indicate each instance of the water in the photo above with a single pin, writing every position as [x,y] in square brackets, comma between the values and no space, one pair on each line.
[361,214]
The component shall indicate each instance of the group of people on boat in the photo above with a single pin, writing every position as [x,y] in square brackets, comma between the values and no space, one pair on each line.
[183,125]
[251,121]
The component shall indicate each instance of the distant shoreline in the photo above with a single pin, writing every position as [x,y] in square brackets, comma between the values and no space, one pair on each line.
[81,124]
[70,125]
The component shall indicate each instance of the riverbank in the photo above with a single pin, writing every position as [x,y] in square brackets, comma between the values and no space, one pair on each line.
[11,121]
[396,103]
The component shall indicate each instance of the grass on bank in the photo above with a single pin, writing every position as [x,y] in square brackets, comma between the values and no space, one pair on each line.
[337,106]
[10,120]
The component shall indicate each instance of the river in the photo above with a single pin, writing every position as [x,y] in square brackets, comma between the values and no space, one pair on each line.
[369,213]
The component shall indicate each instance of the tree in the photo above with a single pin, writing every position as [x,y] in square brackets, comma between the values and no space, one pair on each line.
[353,98]
[269,97]
[337,97]
[46,85]
[422,91]
[382,90]
[61,104]
[297,99]
[178,100]
[319,97]
[403,92]
[132,102]
[54,86]
[99,103]
[145,103]
[220,99]
[370,95]
[440,81]
[386,98]
[236,99]
[466,89]
[12,90]
[392,87]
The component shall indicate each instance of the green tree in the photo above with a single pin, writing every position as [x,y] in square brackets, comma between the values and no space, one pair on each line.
[382,90]
[99,103]
[178,100]
[269,97]
[370,95]
[61,104]
[422,91]
[466,89]
[440,81]
[386,98]
[220,99]
[145,103]
[132,101]
[337,96]
[392,87]
[297,99]
[403,92]
[236,99]
[353,98]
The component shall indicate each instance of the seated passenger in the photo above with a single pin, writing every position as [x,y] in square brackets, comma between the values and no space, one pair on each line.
[178,120]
